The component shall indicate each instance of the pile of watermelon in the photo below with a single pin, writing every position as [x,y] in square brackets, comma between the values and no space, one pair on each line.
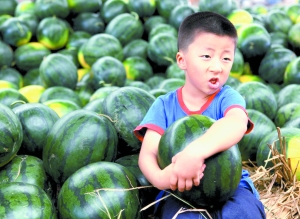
[77,76]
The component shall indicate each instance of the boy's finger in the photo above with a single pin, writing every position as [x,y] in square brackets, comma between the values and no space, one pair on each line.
[181,185]
[173,182]
[188,184]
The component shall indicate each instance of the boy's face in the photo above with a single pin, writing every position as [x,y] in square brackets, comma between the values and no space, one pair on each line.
[207,62]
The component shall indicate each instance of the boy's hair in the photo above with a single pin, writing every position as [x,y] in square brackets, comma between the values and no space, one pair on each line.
[207,22]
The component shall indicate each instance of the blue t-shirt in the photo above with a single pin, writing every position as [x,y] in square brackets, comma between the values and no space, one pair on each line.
[170,107]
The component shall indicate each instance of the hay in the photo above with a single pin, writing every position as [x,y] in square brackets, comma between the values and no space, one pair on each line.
[278,187]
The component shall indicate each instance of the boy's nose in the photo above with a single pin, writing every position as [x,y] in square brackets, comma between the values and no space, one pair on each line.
[215,67]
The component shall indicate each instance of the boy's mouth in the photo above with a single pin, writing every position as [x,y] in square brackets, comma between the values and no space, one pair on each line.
[214,80]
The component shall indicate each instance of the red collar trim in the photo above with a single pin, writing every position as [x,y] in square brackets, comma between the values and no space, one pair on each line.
[202,109]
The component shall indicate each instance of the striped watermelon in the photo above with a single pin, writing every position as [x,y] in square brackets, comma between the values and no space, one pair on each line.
[249,143]
[291,73]
[11,134]
[136,47]
[53,8]
[8,96]
[89,22]
[51,75]
[278,21]
[125,27]
[137,68]
[77,139]
[127,107]
[99,190]
[24,200]
[223,170]
[78,6]
[144,8]
[259,97]
[12,75]
[6,55]
[288,94]
[284,113]
[37,120]
[112,8]
[76,39]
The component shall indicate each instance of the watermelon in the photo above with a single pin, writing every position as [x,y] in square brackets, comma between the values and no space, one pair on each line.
[152,21]
[263,125]
[137,68]
[24,200]
[53,8]
[8,96]
[43,119]
[136,47]
[171,84]
[237,68]
[288,94]
[285,113]
[279,38]
[173,71]
[99,45]
[100,190]
[291,73]
[179,13]
[219,6]
[52,32]
[292,138]
[79,6]
[127,106]
[108,71]
[32,21]
[15,32]
[30,55]
[89,22]
[163,28]
[11,135]
[32,77]
[213,189]
[278,21]
[112,8]
[102,92]
[293,37]
[259,97]
[25,169]
[25,7]
[76,39]
[51,75]
[233,82]
[165,7]
[8,7]
[155,80]
[12,75]
[273,65]
[162,49]
[6,55]
[32,92]
[144,8]
[72,54]
[125,27]
[95,105]
[7,84]
[77,139]
[239,17]
[293,11]
[156,92]
[139,84]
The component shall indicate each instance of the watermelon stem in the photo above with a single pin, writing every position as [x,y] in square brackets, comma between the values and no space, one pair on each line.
[110,119]
[17,101]
[169,59]
[135,15]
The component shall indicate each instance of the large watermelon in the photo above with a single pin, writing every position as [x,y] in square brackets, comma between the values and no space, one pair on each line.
[37,120]
[99,190]
[77,139]
[11,135]
[127,107]
[223,170]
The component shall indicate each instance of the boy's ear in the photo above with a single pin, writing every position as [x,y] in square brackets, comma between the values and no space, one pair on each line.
[180,60]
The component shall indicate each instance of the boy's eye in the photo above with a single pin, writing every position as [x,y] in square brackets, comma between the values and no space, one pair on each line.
[206,56]
[227,59]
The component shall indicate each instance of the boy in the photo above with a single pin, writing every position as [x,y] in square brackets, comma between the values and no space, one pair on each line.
[206,47]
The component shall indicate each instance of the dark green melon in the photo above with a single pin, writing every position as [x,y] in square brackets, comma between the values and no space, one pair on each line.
[53,32]
[179,13]
[51,75]
[136,47]
[278,21]
[25,169]
[162,49]
[219,6]
[77,38]
[79,6]
[155,80]
[171,84]
[144,8]
[12,75]
[108,71]
[100,190]
[274,63]
[24,200]
[285,113]
[103,92]
[72,54]
[152,21]
[139,84]
[84,92]
[288,94]
[293,11]
[8,7]
[259,97]
[30,55]
[156,92]
[173,71]
[95,105]
[213,189]
[127,107]
[8,96]
[77,139]
[32,77]
[233,82]
[6,55]
[37,120]
[15,32]
[53,8]
[163,28]
[11,135]
[98,46]
[165,7]
[237,68]
[279,38]
[125,27]
[291,72]
[89,22]
[137,68]
[25,7]
[112,8]
[263,125]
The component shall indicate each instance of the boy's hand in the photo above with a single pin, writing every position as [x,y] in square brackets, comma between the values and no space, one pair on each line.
[187,170]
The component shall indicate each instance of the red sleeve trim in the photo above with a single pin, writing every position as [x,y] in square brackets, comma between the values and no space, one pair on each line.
[250,125]
[140,130]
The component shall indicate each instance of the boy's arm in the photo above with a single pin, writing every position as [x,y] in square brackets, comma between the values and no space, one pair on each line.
[148,162]
[223,134]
